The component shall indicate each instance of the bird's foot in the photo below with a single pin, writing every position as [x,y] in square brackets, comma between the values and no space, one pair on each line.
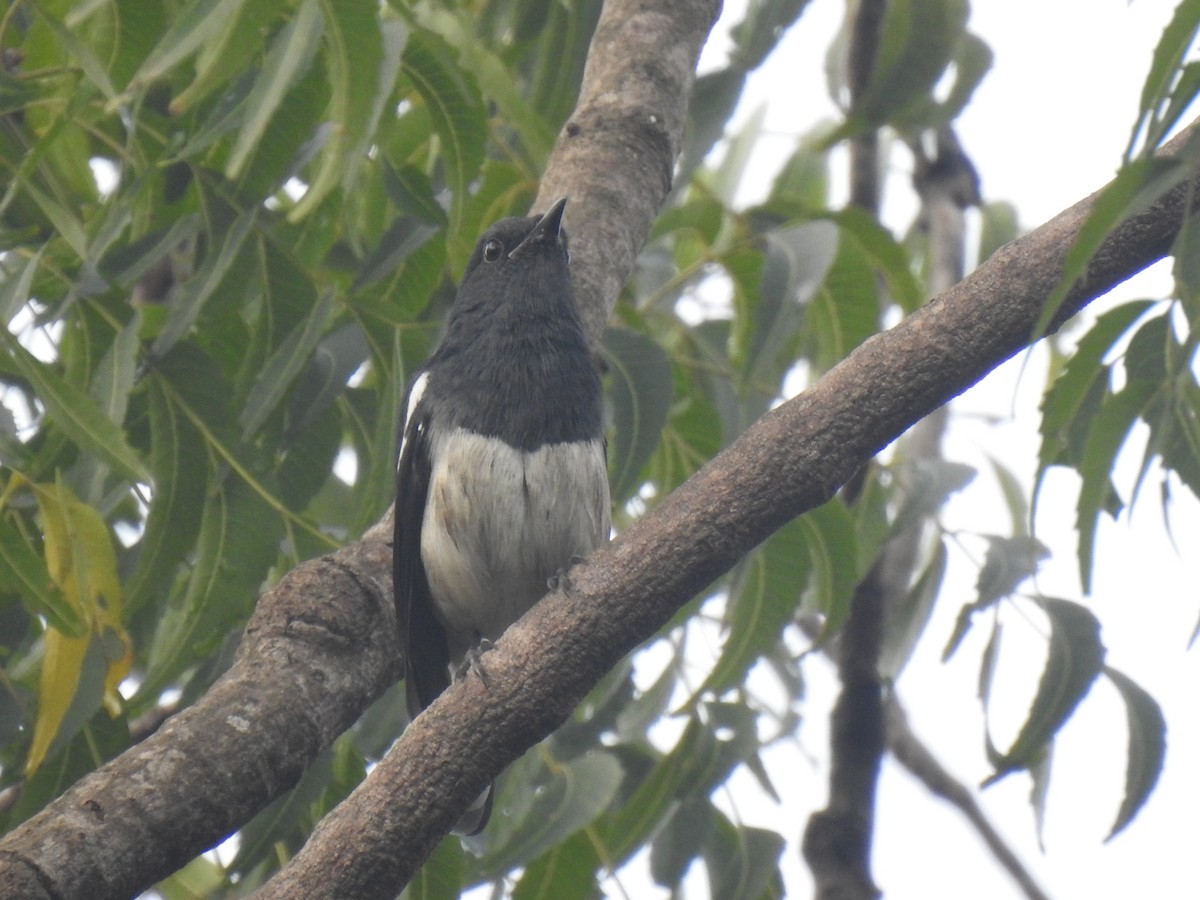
[473,662]
[562,579]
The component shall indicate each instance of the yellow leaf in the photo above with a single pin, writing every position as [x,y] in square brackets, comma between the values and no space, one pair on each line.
[83,564]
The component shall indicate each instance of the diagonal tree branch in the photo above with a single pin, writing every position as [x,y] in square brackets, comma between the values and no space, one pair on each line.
[791,460]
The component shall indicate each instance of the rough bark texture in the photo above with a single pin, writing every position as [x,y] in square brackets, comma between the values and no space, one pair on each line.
[615,156]
[319,648]
[790,461]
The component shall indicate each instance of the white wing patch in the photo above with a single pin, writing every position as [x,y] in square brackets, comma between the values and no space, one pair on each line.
[414,397]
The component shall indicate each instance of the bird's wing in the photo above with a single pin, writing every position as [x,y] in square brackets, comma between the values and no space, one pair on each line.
[422,637]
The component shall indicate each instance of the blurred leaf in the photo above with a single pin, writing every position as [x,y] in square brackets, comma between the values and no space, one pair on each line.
[1076,658]
[77,414]
[284,365]
[440,878]
[680,841]
[456,109]
[22,570]
[742,862]
[1163,79]
[763,599]
[999,225]
[1147,748]
[577,792]
[566,872]
[907,620]
[197,23]
[640,390]
[918,40]
[1108,431]
[833,550]
[1009,561]
[290,55]
[78,673]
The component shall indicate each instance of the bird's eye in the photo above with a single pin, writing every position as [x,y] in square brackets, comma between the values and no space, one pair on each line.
[492,250]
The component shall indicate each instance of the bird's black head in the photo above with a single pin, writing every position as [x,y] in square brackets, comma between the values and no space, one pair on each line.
[519,256]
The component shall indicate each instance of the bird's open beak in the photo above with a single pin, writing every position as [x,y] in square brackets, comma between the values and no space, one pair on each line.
[547,228]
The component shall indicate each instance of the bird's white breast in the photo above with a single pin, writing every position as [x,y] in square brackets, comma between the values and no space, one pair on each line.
[490,540]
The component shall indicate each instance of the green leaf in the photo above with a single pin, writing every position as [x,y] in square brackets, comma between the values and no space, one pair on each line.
[440,878]
[567,872]
[24,571]
[833,549]
[76,414]
[742,861]
[276,375]
[763,599]
[1147,749]
[680,840]
[290,55]
[362,60]
[229,48]
[907,619]
[180,471]
[197,23]
[1174,45]
[456,110]
[640,389]
[1107,434]
[1076,659]
[918,40]
[198,289]
[1009,561]
[577,792]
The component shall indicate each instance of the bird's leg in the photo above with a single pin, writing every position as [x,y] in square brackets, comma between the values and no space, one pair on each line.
[473,661]
[561,579]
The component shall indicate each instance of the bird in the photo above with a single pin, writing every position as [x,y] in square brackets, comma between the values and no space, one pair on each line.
[502,476]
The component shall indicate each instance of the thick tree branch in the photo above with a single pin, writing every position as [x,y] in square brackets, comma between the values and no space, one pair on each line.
[792,460]
[320,647]
[615,156]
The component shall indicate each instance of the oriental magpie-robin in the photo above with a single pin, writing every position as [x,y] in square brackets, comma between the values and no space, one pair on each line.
[502,478]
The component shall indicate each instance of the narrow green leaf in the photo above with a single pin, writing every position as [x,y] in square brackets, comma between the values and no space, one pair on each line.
[24,571]
[441,876]
[1176,41]
[569,871]
[1147,749]
[640,388]
[236,39]
[76,414]
[289,57]
[362,60]
[1076,659]
[197,290]
[456,110]
[575,795]
[763,598]
[290,358]
[742,861]
[680,841]
[907,620]
[833,549]
[180,471]
[197,23]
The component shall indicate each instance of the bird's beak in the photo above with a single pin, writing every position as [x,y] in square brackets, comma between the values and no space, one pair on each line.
[547,228]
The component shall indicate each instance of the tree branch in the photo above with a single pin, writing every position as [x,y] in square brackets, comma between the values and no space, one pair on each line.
[319,648]
[791,460]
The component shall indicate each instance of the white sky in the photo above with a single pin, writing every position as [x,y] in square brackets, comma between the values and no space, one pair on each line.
[1046,128]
